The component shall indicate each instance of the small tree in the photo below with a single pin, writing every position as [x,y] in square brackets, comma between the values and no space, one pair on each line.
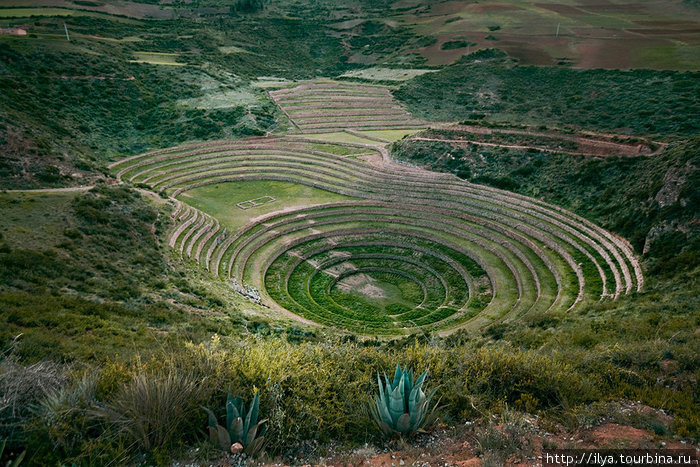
[246,6]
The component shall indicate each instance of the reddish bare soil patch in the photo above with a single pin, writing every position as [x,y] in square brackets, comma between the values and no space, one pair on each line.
[438,448]
[532,53]
[486,8]
[14,31]
[458,447]
[614,435]
[603,54]
[614,7]
[130,9]
[448,8]
[560,8]
[530,49]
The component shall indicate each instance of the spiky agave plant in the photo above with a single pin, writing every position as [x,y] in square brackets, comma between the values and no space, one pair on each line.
[401,406]
[241,426]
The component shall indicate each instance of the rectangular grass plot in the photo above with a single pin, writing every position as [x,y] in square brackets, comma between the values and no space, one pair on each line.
[251,203]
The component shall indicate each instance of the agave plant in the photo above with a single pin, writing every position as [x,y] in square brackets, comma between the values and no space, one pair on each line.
[241,426]
[401,406]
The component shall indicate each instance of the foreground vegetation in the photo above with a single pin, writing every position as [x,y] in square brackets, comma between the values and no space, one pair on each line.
[561,367]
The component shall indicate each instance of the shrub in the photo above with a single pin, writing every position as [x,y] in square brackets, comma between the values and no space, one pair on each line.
[458,44]
[21,387]
[498,442]
[65,423]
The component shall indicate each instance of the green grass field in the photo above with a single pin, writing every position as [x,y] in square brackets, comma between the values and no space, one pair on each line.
[157,58]
[385,74]
[389,135]
[220,200]
[378,290]
[337,137]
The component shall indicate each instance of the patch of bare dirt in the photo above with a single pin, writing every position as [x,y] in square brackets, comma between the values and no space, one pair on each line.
[460,445]
[362,284]
[614,435]
[604,54]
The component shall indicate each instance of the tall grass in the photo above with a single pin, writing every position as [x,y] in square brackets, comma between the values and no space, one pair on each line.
[152,409]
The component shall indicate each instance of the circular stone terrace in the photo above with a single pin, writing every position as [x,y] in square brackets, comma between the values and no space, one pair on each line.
[401,249]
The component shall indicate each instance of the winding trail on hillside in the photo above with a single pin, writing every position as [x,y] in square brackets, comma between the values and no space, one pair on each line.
[508,146]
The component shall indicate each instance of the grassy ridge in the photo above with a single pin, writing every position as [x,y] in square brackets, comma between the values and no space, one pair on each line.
[487,85]
[72,105]
[84,111]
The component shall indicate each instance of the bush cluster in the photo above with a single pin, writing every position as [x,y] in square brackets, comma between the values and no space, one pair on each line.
[638,101]
[310,393]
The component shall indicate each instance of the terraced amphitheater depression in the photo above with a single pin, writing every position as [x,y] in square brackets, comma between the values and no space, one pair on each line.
[322,225]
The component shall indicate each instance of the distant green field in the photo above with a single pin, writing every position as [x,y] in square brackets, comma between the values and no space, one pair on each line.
[157,58]
[391,135]
[231,49]
[338,137]
[220,200]
[386,74]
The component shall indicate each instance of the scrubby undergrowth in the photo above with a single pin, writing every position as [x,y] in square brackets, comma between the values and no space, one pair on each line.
[85,276]
[486,83]
[316,391]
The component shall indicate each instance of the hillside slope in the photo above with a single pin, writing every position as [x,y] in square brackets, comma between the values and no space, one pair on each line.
[650,200]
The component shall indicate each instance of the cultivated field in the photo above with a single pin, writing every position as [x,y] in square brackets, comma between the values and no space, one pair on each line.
[405,249]
[385,74]
[157,58]
[588,33]
[330,106]
[572,143]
